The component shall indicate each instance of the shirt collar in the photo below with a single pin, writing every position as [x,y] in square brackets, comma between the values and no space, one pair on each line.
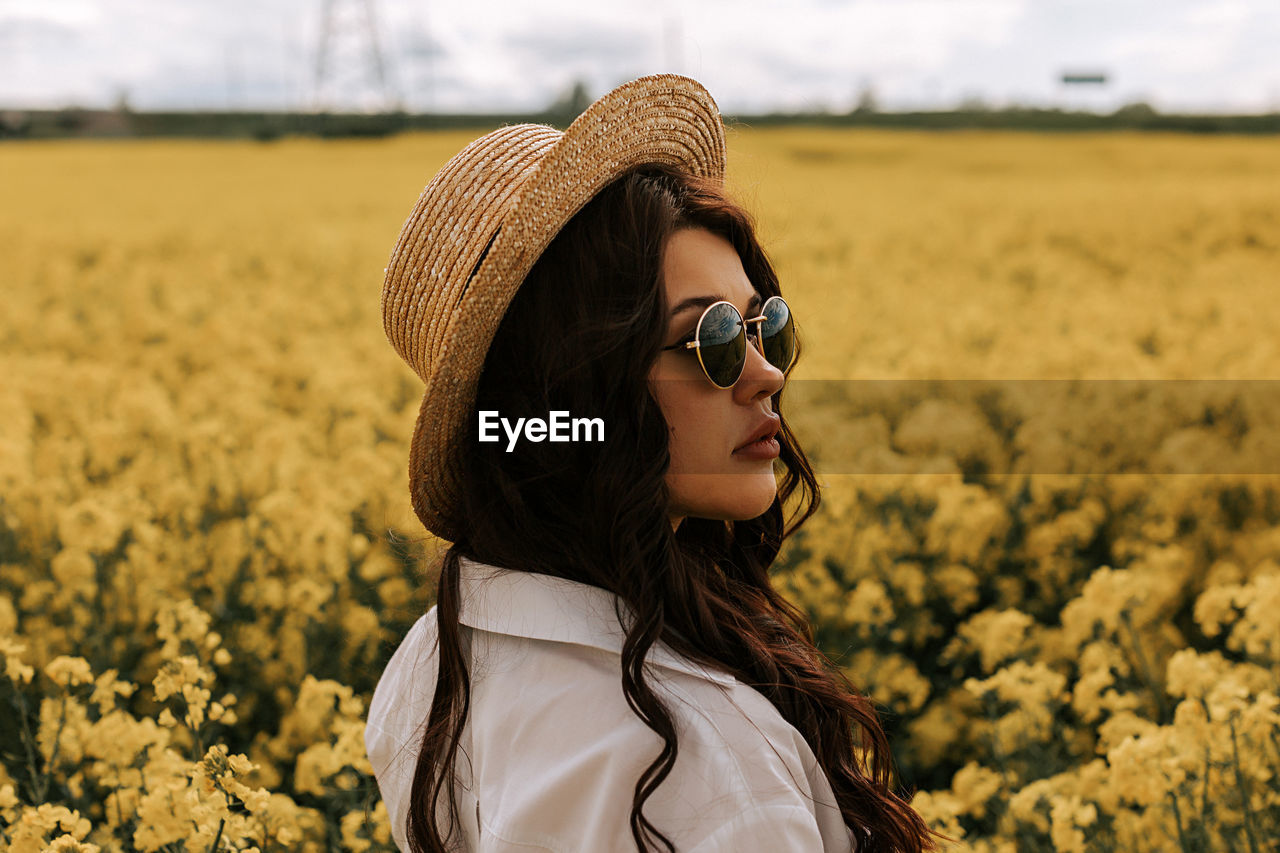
[544,607]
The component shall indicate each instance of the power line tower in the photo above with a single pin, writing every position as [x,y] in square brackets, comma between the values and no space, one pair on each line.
[350,67]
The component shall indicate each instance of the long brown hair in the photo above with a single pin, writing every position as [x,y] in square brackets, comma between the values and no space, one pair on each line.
[580,336]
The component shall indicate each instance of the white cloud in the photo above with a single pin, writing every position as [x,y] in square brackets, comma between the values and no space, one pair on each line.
[751,54]
[70,13]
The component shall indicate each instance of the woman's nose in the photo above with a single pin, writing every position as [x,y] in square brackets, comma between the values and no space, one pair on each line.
[759,377]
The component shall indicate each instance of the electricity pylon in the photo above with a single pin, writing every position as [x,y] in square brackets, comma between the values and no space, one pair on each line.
[349,73]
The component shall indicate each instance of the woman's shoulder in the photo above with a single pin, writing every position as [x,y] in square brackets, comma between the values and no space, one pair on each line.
[552,725]
[571,696]
[404,689]
[747,730]
[565,681]
[546,716]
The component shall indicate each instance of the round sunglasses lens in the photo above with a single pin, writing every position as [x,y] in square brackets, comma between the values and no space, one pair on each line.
[722,344]
[778,334]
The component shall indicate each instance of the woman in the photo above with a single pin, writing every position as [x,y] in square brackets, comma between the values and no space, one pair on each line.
[606,650]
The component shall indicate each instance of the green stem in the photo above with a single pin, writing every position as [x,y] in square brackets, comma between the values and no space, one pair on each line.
[101,637]
[1275,745]
[1205,811]
[57,742]
[29,742]
[1157,690]
[1177,821]
[1244,789]
[214,846]
[195,730]
[991,739]
[119,810]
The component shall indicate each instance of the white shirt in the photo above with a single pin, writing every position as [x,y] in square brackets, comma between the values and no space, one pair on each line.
[556,751]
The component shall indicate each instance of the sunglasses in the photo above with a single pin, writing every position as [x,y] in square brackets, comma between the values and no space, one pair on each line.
[720,340]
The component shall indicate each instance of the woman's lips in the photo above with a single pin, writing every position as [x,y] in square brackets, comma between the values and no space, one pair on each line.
[765,448]
[768,428]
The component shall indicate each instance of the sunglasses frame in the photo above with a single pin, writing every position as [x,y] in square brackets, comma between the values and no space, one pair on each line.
[696,343]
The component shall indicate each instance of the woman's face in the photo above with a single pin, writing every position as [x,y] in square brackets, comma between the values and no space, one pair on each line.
[707,478]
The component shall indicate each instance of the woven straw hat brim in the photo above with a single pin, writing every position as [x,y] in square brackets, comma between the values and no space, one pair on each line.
[480,226]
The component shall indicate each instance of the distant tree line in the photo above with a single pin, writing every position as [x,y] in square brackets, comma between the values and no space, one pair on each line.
[265,126]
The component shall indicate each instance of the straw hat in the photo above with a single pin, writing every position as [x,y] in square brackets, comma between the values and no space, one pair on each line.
[480,225]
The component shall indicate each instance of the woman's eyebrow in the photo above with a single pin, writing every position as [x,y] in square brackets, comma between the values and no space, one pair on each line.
[705,301]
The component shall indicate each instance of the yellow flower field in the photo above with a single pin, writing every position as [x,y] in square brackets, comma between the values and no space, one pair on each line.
[207,552]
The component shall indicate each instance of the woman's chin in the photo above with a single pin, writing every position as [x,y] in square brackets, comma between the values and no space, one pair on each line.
[733,497]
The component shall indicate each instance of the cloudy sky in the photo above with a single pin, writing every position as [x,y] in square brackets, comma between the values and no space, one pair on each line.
[493,55]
